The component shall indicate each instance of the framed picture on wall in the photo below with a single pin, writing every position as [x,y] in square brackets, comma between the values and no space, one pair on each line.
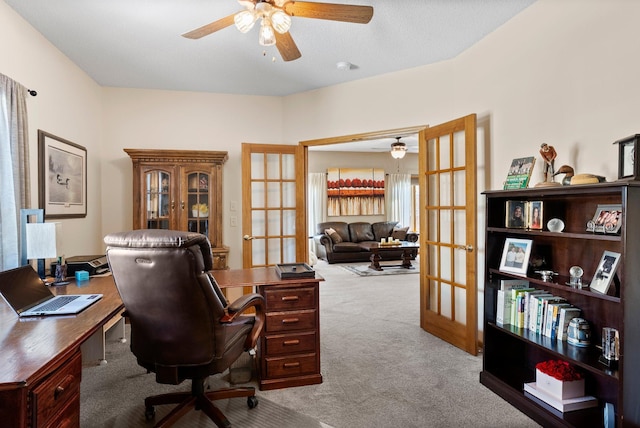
[62,177]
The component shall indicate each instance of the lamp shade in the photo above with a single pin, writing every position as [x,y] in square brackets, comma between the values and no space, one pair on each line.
[43,240]
[398,149]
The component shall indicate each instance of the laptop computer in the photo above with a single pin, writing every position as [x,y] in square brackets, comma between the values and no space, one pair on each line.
[26,293]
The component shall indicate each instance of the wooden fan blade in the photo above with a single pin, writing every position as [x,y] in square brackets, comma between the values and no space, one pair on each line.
[287,47]
[205,30]
[330,11]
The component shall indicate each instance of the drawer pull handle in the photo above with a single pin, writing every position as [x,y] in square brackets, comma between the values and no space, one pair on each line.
[62,387]
[291,342]
[290,298]
[290,320]
[291,365]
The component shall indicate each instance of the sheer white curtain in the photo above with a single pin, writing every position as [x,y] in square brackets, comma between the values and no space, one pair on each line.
[14,168]
[398,198]
[316,203]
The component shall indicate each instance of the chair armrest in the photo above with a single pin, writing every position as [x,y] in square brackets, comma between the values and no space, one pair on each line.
[239,306]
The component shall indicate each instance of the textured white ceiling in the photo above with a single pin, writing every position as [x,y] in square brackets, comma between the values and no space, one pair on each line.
[138,43]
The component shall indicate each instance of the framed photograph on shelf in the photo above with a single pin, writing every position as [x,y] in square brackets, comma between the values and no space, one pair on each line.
[534,215]
[607,219]
[516,214]
[515,255]
[62,177]
[605,272]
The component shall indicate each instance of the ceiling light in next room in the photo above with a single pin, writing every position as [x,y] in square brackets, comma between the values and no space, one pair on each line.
[398,149]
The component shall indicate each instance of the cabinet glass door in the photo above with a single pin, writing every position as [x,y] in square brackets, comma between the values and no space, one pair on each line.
[157,199]
[198,202]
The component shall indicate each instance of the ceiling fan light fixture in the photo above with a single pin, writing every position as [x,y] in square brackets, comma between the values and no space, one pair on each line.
[267,35]
[398,149]
[281,21]
[245,20]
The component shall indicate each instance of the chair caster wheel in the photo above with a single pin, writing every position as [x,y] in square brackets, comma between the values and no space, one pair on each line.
[149,413]
[252,402]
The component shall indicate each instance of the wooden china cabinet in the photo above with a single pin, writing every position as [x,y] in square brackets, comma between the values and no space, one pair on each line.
[180,190]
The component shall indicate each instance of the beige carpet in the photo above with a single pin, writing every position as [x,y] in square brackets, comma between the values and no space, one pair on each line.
[112,396]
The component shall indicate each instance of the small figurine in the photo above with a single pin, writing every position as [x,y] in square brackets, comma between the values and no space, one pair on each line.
[571,178]
[548,154]
[568,173]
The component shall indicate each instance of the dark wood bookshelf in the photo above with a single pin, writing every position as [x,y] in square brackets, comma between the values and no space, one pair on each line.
[510,354]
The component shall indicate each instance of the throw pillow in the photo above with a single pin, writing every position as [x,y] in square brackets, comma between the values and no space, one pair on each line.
[335,236]
[400,233]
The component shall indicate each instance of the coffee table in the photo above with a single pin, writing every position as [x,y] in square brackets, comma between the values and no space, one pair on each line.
[407,250]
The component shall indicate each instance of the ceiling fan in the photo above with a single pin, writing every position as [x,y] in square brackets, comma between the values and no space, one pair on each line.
[275,16]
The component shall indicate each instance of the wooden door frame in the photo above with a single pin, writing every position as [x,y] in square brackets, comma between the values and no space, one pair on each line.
[365,136]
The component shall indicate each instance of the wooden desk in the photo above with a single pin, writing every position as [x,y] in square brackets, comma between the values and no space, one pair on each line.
[289,347]
[41,360]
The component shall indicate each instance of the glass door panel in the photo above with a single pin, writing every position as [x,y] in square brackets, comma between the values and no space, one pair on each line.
[157,199]
[198,207]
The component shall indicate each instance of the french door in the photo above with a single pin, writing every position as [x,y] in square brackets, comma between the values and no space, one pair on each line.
[273,210]
[448,232]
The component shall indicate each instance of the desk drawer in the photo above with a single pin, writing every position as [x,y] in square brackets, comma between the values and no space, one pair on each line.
[51,396]
[291,366]
[290,298]
[290,343]
[290,321]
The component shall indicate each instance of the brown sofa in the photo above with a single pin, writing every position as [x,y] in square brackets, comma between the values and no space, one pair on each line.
[351,241]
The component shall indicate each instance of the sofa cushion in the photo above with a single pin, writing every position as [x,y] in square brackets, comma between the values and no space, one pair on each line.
[400,233]
[360,231]
[335,236]
[382,229]
[347,247]
[339,226]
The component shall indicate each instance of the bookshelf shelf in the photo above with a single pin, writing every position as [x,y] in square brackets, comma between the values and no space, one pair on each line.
[510,353]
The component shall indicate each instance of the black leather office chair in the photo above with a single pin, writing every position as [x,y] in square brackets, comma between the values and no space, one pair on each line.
[181,324]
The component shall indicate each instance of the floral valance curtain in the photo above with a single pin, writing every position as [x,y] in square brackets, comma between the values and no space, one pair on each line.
[14,168]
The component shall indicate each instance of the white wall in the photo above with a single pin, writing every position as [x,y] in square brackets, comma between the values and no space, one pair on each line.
[68,105]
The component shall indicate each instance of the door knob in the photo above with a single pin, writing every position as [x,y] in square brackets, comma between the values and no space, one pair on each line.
[247,237]
[468,248]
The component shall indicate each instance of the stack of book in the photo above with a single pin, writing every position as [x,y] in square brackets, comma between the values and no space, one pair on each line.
[538,311]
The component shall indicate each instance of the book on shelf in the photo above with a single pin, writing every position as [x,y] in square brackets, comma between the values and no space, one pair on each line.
[527,305]
[517,305]
[503,307]
[510,284]
[534,315]
[566,315]
[566,405]
[545,309]
[519,173]
[551,317]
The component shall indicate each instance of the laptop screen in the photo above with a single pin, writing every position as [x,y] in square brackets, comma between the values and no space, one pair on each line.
[22,288]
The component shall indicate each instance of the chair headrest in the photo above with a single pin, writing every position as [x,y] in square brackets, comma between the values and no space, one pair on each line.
[159,238]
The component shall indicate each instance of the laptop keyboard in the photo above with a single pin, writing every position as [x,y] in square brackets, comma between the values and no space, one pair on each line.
[57,303]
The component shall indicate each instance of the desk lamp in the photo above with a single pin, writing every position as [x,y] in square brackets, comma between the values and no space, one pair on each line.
[42,242]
